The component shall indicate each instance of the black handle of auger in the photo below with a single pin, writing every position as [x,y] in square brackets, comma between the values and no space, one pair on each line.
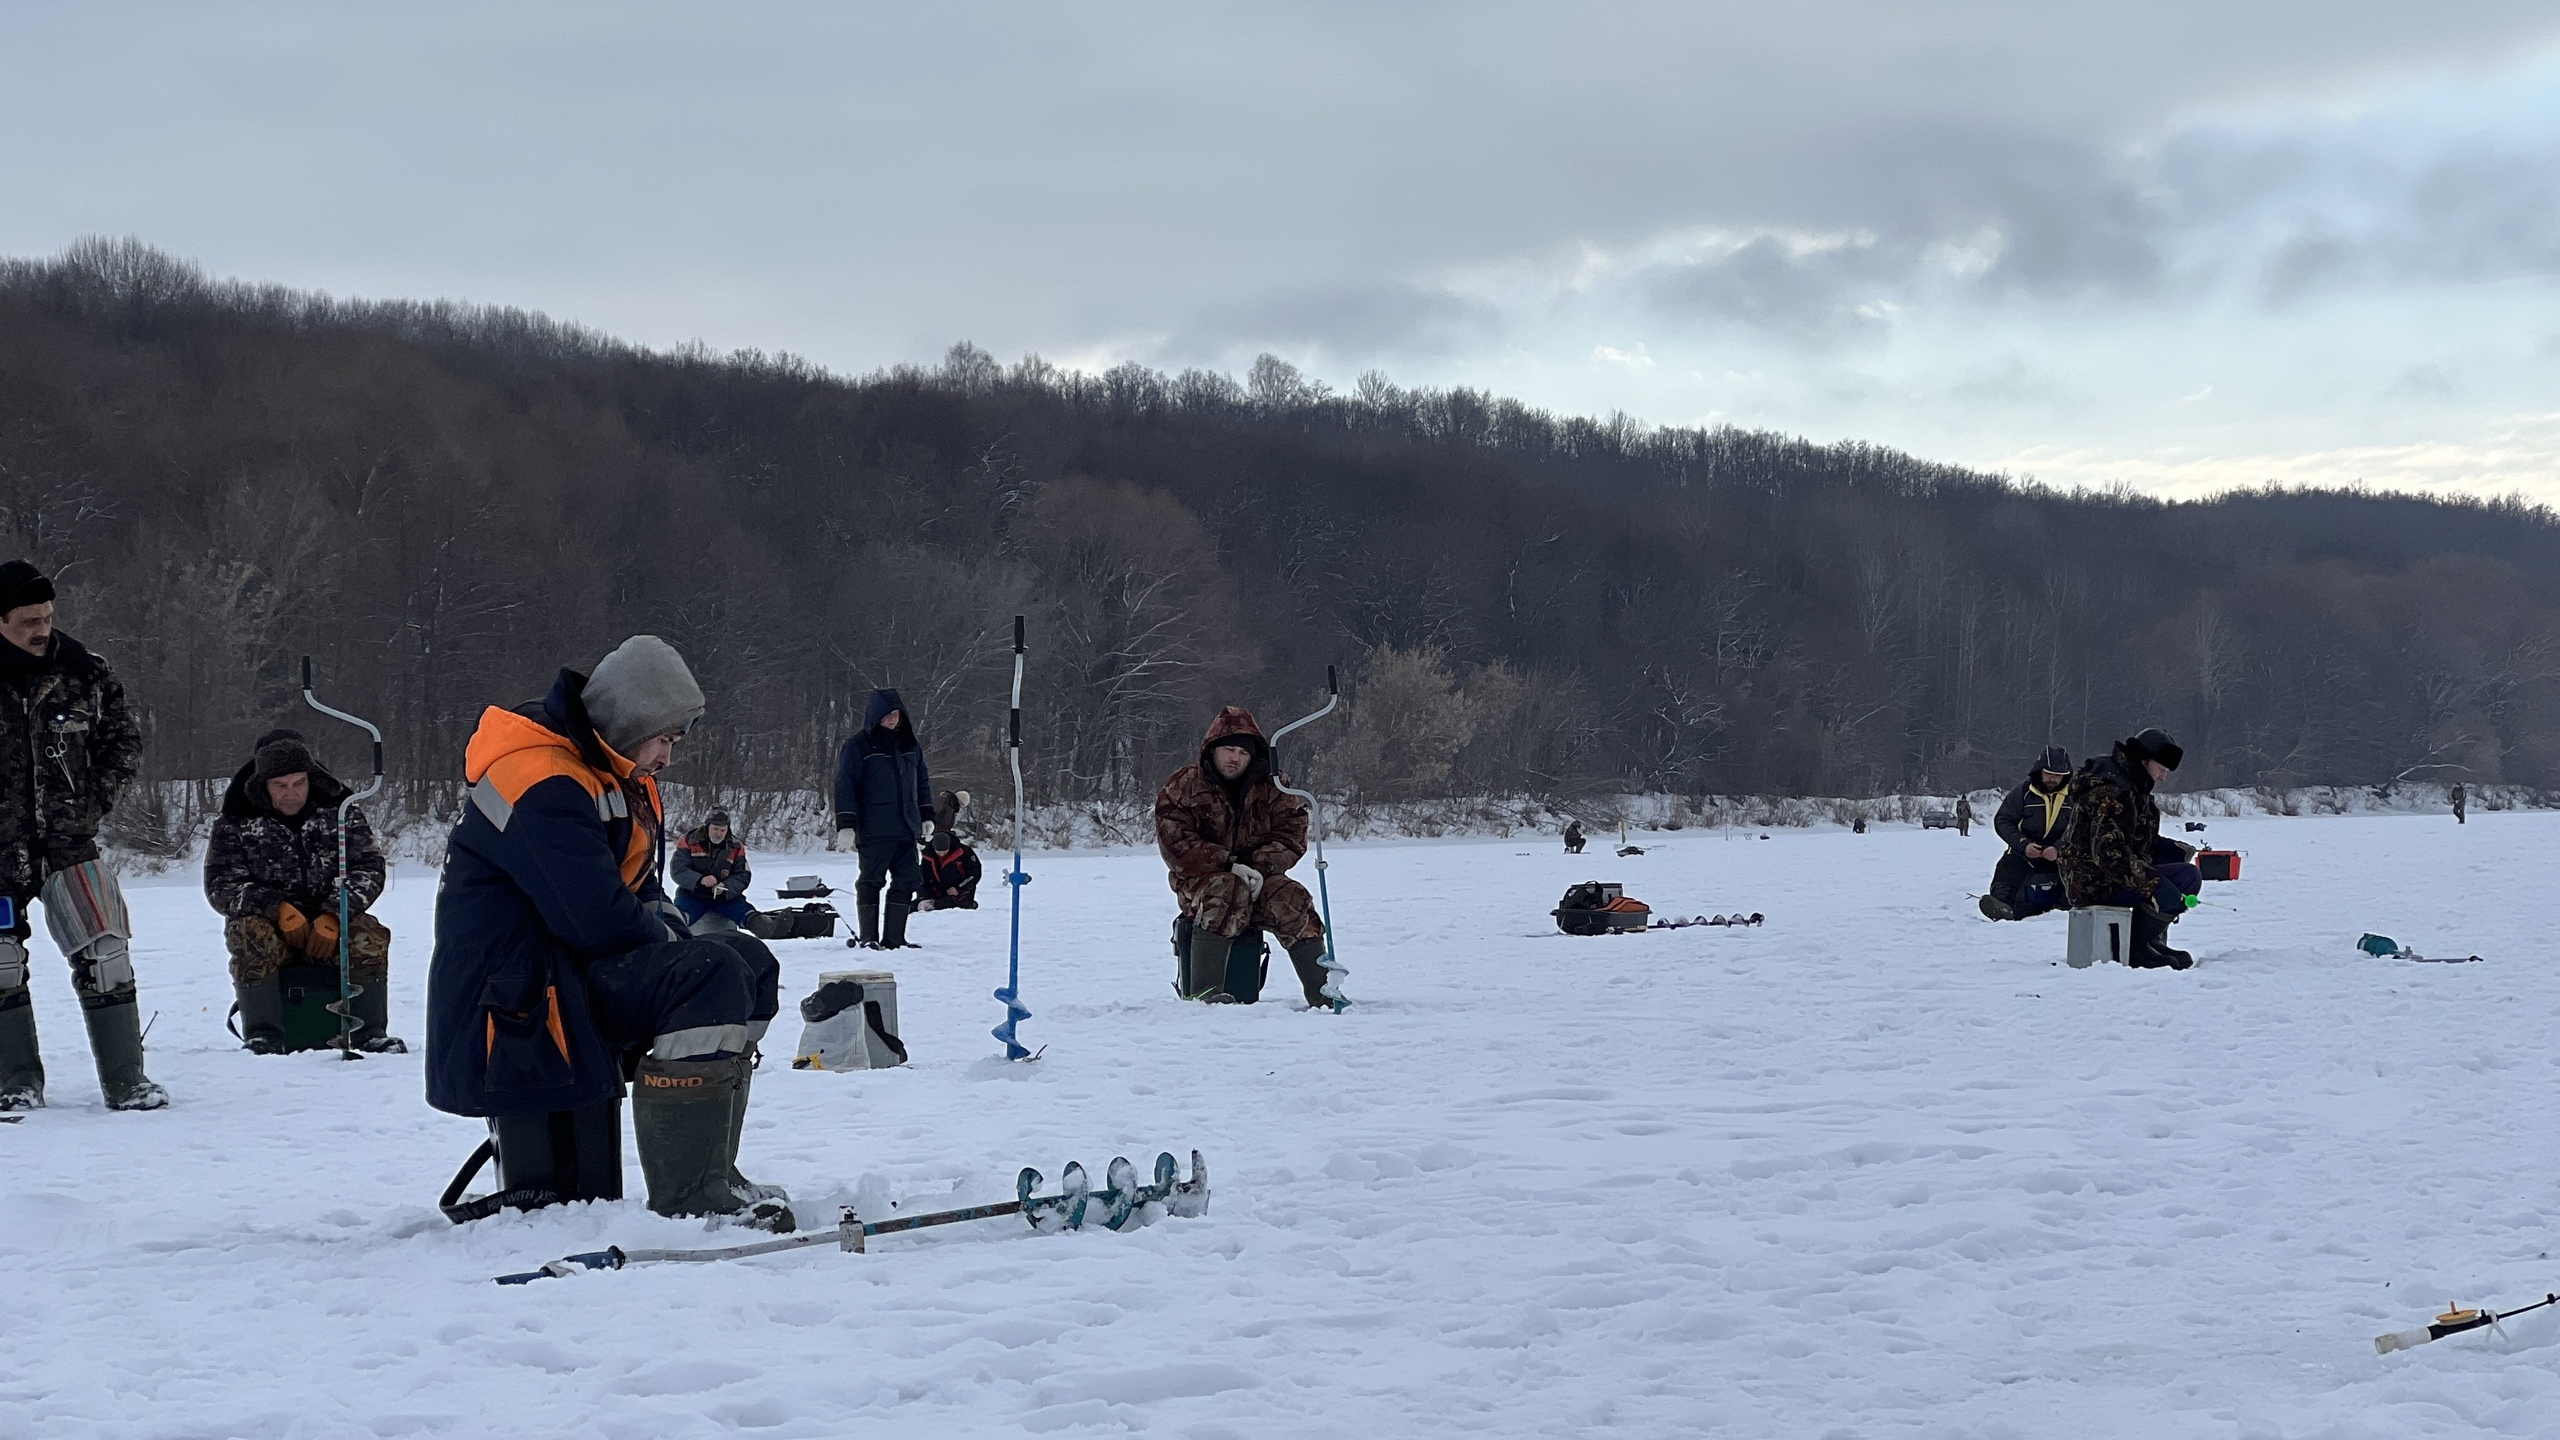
[377,757]
[1332,683]
[306,674]
[1017,634]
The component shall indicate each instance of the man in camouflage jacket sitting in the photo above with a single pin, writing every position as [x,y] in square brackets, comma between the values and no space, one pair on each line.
[271,868]
[1229,834]
[2114,853]
[68,747]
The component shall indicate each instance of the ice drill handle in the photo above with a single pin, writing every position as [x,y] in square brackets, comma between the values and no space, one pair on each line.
[1017,634]
[1332,685]
[306,674]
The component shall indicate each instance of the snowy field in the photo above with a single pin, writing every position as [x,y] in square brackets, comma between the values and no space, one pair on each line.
[1880,1168]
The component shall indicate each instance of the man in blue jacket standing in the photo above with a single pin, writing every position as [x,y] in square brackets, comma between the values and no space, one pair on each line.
[884,810]
[559,966]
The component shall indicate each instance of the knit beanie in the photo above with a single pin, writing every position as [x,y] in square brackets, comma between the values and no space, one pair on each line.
[2056,760]
[280,752]
[639,691]
[22,584]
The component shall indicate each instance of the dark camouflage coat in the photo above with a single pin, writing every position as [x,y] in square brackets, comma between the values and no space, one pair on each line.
[68,747]
[1206,824]
[2111,832]
[258,859]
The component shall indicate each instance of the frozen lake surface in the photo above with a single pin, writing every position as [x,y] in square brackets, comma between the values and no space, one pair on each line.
[1879,1168]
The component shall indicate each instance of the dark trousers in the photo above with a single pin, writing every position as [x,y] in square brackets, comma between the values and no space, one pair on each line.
[2178,878]
[894,862]
[694,999]
[693,906]
[2030,887]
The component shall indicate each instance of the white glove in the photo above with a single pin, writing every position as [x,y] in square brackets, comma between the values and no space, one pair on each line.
[1252,878]
[848,839]
[928,832]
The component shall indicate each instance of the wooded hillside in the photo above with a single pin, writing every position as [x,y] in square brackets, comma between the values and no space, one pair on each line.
[444,504]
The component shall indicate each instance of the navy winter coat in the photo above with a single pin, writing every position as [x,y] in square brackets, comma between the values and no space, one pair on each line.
[883,790]
[553,864]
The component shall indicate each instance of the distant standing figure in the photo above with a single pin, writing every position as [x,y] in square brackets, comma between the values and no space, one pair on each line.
[1964,816]
[1573,839]
[2461,802]
[884,811]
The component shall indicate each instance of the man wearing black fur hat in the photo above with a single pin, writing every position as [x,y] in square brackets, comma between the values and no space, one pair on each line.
[2028,880]
[271,869]
[68,747]
[2115,853]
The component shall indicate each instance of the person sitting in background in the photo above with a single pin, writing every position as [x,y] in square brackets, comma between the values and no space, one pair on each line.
[1229,836]
[711,875]
[271,870]
[2115,854]
[1573,839]
[951,868]
[2028,880]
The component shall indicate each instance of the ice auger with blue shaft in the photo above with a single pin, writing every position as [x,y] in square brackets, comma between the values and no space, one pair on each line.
[344,1006]
[1334,969]
[1015,879]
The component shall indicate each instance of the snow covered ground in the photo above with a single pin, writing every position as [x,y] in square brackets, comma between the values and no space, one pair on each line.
[1879,1168]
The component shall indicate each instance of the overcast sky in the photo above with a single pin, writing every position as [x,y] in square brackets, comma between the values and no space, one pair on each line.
[2178,244]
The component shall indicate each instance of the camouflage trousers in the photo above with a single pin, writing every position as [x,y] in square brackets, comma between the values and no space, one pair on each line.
[1224,905]
[258,949]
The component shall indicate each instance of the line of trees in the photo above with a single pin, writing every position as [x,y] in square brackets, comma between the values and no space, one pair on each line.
[444,503]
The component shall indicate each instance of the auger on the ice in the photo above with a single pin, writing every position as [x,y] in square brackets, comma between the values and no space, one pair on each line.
[1014,878]
[2453,1321]
[1334,969]
[1122,1204]
[344,1006]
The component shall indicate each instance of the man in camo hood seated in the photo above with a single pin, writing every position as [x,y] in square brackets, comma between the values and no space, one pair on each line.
[271,869]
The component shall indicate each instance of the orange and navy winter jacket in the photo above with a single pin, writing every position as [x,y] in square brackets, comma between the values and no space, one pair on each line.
[554,862]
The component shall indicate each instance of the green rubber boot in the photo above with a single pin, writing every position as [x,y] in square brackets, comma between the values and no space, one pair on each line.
[686,1115]
[21,1063]
[115,1042]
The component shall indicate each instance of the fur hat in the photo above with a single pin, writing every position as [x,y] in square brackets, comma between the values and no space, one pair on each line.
[719,818]
[640,691]
[2155,744]
[280,753]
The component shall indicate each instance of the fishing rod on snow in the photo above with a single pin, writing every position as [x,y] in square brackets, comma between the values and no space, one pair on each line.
[344,1007]
[1015,879]
[2453,1321]
[1334,969]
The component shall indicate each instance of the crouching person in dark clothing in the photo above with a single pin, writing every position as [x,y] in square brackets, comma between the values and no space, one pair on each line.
[271,869]
[558,971]
[711,874]
[951,868]
[2031,820]
[1229,835]
[2115,853]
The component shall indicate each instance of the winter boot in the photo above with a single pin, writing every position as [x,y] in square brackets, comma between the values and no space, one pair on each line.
[2151,943]
[1307,958]
[866,919]
[115,1042]
[739,1185]
[685,1115]
[372,1007]
[21,1065]
[893,924]
[1995,908]
[261,1015]
[1206,978]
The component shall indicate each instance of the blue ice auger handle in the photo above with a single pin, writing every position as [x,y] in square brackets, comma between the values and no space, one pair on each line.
[609,1258]
[1011,993]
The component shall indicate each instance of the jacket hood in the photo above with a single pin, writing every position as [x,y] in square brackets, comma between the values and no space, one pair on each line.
[559,722]
[1236,723]
[247,797]
[883,701]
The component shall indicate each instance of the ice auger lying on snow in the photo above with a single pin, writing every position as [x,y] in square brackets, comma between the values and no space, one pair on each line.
[2453,1321]
[1121,1204]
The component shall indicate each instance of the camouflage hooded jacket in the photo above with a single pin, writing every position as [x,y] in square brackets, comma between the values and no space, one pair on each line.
[258,859]
[68,747]
[1204,823]
[2111,830]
